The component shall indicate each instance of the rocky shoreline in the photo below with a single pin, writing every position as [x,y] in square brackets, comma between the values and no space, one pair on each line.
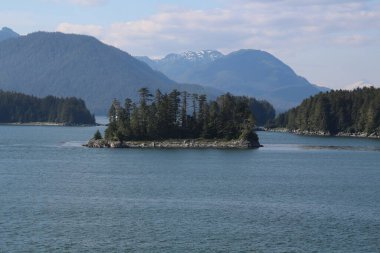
[33,124]
[48,124]
[177,143]
[322,133]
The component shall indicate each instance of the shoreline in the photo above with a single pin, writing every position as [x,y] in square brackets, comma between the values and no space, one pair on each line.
[175,143]
[321,133]
[47,124]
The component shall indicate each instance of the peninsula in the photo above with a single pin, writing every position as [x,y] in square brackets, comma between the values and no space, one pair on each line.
[179,120]
[336,113]
[21,109]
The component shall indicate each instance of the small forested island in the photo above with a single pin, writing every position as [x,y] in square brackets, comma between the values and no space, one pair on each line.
[340,112]
[180,120]
[18,108]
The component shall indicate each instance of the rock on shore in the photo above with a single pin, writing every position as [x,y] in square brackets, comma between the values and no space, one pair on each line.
[322,133]
[188,143]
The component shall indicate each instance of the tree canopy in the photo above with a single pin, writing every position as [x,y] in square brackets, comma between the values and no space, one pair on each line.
[21,108]
[336,111]
[180,115]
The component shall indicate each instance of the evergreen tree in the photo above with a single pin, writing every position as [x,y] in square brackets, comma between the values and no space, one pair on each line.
[167,116]
[336,111]
[184,110]
[97,135]
[18,107]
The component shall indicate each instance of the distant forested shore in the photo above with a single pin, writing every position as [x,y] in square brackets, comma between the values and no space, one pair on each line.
[339,112]
[18,108]
[183,116]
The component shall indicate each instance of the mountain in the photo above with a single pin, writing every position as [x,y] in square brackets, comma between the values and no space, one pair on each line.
[7,33]
[181,66]
[358,84]
[60,64]
[245,72]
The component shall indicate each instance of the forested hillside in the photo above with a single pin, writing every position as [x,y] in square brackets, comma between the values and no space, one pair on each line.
[182,115]
[262,110]
[7,33]
[21,108]
[66,65]
[356,111]
[246,72]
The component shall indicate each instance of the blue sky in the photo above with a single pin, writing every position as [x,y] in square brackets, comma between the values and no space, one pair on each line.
[333,43]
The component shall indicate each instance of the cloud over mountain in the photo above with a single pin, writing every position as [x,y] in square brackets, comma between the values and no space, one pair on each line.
[270,25]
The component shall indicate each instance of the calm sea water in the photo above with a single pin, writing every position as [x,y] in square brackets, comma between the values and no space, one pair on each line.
[297,194]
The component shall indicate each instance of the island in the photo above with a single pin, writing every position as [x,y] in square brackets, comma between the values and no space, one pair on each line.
[353,113]
[21,109]
[179,120]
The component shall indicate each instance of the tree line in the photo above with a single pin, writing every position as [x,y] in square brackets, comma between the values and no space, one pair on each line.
[21,108]
[178,115]
[336,111]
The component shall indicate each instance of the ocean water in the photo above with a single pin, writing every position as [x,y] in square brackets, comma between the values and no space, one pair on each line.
[296,194]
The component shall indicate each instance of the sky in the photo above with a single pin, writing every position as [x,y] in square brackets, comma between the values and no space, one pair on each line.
[332,43]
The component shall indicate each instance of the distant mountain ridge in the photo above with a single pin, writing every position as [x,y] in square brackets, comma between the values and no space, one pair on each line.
[60,64]
[245,72]
[203,56]
[180,66]
[7,33]
[359,84]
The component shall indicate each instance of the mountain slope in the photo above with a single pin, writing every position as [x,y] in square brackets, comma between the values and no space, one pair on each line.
[7,33]
[60,64]
[245,72]
[182,66]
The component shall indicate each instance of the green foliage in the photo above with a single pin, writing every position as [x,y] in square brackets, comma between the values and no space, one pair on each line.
[263,111]
[336,111]
[249,72]
[60,64]
[249,135]
[181,115]
[97,135]
[18,107]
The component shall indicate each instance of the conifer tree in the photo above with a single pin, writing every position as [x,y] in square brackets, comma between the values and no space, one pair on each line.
[97,135]
[167,116]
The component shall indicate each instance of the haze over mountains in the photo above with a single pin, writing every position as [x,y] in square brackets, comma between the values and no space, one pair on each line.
[245,72]
[60,64]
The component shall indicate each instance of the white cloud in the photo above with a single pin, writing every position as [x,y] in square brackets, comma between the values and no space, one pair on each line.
[270,25]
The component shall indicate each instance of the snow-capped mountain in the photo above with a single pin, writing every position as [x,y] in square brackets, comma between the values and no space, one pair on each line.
[174,64]
[358,84]
[204,56]
[246,72]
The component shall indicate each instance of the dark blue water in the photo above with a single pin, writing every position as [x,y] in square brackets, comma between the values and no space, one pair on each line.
[297,194]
